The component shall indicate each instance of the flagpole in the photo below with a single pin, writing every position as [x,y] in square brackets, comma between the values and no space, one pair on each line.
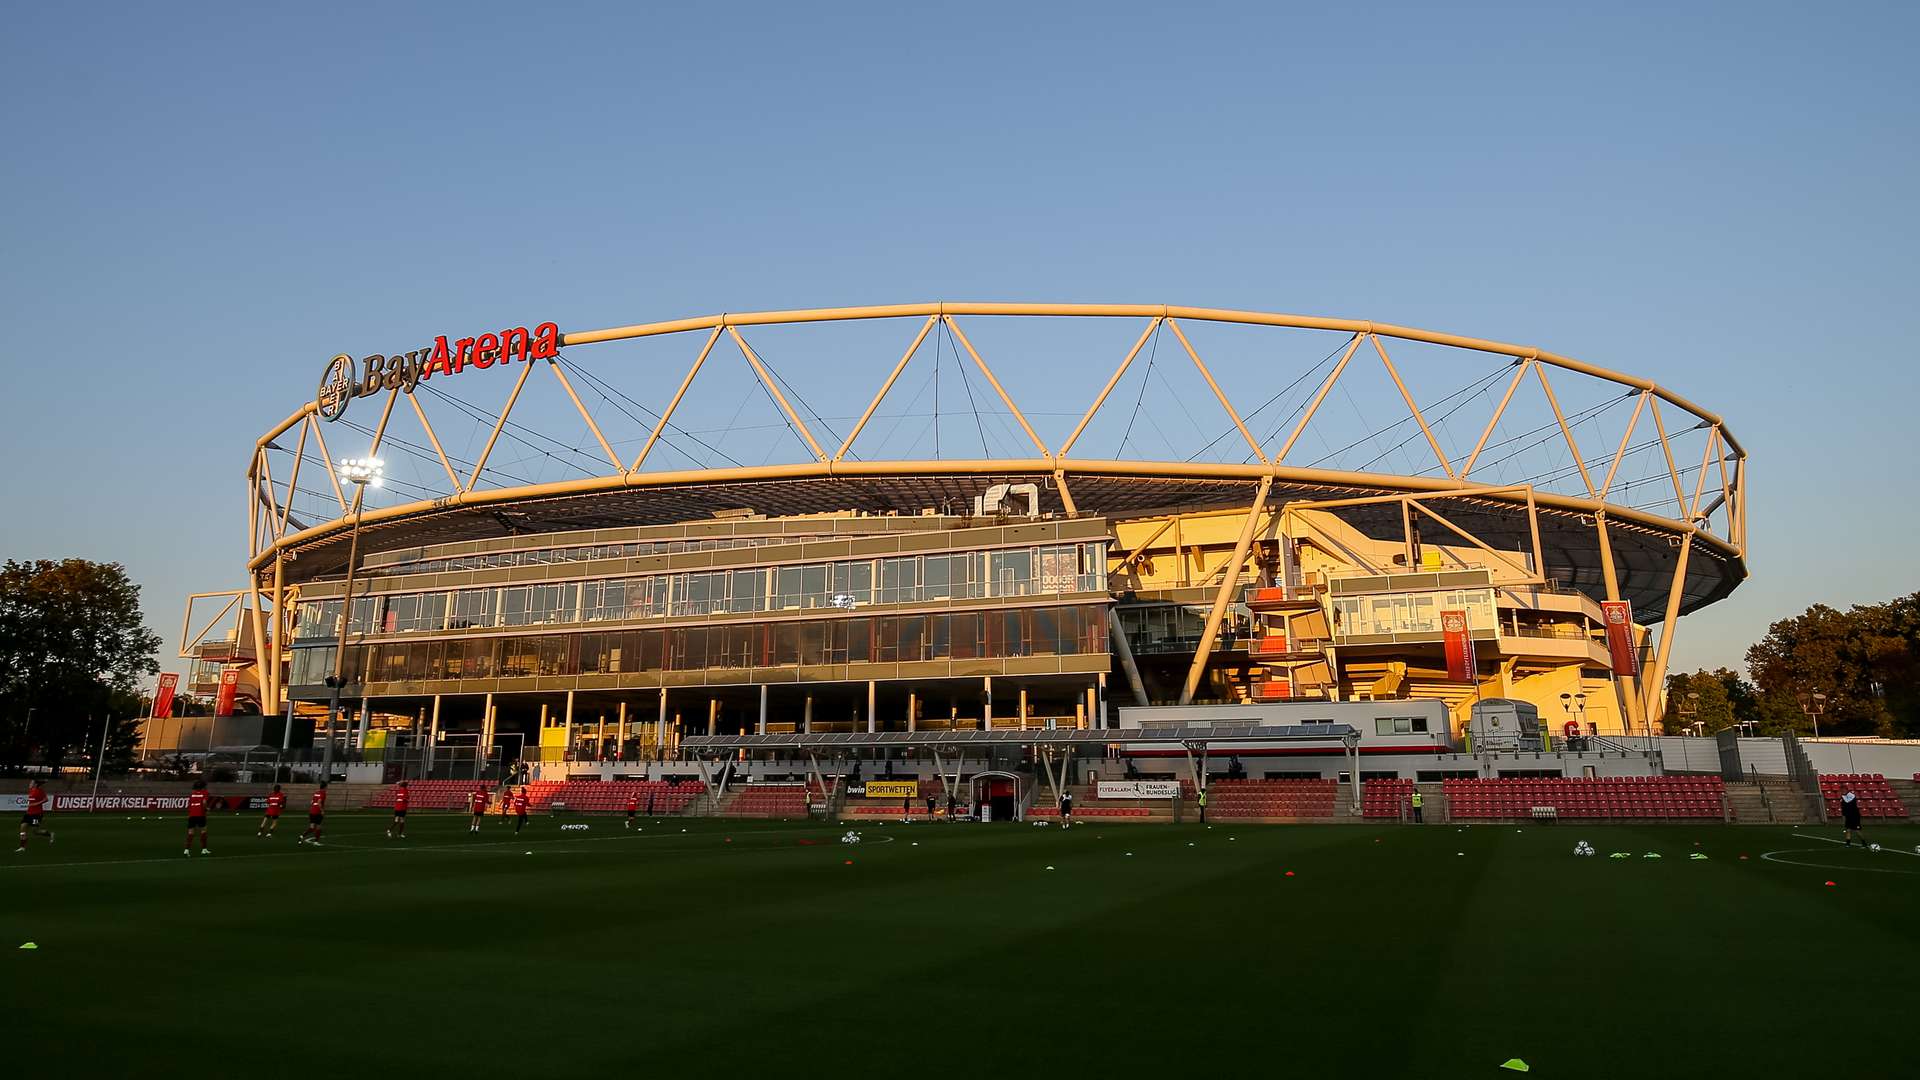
[100,759]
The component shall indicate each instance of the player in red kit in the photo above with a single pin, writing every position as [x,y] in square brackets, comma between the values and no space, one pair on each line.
[400,800]
[276,802]
[36,813]
[633,806]
[316,815]
[519,810]
[197,817]
[477,803]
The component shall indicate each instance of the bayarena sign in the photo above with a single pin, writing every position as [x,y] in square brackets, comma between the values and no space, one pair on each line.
[344,379]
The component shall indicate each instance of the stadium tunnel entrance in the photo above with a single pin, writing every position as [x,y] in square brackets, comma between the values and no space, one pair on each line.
[998,795]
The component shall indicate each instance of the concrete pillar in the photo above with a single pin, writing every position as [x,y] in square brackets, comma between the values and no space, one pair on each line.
[986,702]
[1023,707]
[600,739]
[806,716]
[485,745]
[872,720]
[366,721]
[621,738]
[762,730]
[567,744]
[913,707]
[660,727]
[433,735]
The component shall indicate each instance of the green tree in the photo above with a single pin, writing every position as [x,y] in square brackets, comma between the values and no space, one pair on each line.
[73,650]
[1863,660]
[1724,699]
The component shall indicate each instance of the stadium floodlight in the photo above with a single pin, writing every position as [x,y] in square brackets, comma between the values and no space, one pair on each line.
[367,471]
[363,472]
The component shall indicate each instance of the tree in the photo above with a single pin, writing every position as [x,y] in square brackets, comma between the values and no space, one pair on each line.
[73,646]
[1725,699]
[1864,660]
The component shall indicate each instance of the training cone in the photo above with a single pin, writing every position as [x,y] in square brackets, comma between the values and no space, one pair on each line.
[1516,1065]
[849,862]
[29,945]
[1829,882]
[1289,873]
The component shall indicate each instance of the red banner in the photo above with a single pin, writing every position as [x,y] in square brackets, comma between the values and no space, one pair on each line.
[163,697]
[223,701]
[1453,631]
[1619,616]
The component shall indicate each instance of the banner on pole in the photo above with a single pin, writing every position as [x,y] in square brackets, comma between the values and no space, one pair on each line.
[223,701]
[1619,616]
[163,697]
[1459,644]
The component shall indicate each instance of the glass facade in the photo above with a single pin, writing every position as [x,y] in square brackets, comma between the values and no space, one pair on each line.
[969,575]
[964,635]
[582,553]
[1404,615]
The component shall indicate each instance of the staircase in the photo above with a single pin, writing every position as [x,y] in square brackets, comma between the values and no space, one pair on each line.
[1909,793]
[1768,802]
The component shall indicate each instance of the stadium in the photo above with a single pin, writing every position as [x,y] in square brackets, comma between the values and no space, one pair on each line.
[948,521]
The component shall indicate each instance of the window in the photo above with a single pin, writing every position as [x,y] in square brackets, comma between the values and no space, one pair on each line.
[899,580]
[1059,568]
[312,666]
[854,579]
[319,619]
[1010,573]
[1399,725]
[473,607]
[747,591]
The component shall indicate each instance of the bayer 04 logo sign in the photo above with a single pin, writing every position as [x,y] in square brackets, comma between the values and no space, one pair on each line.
[337,386]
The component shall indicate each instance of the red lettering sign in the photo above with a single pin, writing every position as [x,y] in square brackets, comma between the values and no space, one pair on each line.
[405,371]
[1619,616]
[1459,645]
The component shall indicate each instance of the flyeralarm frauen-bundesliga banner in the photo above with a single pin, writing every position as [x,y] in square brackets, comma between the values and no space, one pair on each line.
[1137,789]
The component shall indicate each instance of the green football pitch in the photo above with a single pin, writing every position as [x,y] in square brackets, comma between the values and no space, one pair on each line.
[770,947]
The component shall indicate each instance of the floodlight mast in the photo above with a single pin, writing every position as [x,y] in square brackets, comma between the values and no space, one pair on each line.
[362,472]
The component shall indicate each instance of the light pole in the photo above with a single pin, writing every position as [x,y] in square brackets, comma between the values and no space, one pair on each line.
[1813,705]
[361,472]
[1690,711]
[1576,708]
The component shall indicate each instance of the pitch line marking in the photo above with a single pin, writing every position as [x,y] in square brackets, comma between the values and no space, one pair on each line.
[1843,843]
[1773,857]
[340,847]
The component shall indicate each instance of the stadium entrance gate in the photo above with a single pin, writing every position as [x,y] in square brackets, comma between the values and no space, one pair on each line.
[998,793]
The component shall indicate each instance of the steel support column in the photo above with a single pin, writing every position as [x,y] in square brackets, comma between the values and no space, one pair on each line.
[1228,582]
[1656,679]
[1625,686]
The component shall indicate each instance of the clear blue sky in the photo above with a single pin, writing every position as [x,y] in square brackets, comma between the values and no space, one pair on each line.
[201,205]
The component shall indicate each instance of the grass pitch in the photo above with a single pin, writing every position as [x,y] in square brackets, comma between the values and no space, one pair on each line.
[750,946]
